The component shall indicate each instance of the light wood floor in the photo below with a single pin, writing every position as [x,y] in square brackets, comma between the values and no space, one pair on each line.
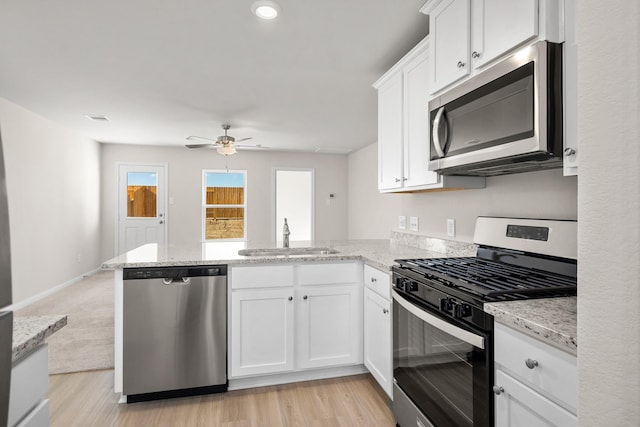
[87,399]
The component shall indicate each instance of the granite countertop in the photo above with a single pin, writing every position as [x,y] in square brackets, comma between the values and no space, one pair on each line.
[553,320]
[377,253]
[31,331]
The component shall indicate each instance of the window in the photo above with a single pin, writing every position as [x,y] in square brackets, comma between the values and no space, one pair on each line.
[294,201]
[142,194]
[224,204]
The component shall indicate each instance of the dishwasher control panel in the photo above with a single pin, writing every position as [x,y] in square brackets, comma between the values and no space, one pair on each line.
[173,272]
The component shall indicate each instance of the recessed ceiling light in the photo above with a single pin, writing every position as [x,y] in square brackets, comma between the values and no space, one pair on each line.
[265,9]
[98,118]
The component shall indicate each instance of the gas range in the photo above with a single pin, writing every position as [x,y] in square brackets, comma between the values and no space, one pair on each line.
[440,329]
[503,273]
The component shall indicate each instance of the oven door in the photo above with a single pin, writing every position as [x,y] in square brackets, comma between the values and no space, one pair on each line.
[443,368]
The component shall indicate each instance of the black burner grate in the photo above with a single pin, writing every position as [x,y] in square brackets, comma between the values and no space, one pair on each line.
[490,279]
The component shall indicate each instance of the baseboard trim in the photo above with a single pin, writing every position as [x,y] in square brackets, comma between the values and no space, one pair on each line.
[293,377]
[27,302]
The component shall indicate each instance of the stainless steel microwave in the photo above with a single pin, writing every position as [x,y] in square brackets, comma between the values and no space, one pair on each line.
[506,119]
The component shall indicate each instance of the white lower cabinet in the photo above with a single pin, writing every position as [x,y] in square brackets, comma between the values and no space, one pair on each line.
[28,403]
[261,331]
[535,383]
[330,326]
[377,339]
[520,406]
[378,327]
[311,317]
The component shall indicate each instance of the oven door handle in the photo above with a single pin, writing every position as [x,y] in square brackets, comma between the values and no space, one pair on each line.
[462,334]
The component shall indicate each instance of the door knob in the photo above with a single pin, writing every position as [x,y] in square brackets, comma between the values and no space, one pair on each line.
[461,64]
[305,297]
[531,363]
[290,298]
[385,311]
[498,390]
[161,222]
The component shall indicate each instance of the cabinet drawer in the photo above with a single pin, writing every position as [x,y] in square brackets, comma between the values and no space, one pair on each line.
[262,276]
[378,281]
[329,274]
[556,373]
[29,383]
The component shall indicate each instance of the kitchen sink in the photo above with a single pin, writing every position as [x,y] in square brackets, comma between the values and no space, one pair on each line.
[287,251]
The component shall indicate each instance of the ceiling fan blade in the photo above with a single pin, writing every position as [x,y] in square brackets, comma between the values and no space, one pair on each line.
[243,139]
[200,138]
[210,145]
[257,146]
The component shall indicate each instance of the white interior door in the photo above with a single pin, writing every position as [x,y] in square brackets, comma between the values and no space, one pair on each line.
[141,205]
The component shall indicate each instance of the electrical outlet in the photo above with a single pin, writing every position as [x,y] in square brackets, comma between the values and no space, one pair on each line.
[451,227]
[402,222]
[413,223]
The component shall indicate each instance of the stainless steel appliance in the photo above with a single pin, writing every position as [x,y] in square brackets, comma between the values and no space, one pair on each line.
[6,317]
[506,119]
[175,331]
[442,338]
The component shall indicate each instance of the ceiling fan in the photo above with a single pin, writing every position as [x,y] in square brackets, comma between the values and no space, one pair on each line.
[224,144]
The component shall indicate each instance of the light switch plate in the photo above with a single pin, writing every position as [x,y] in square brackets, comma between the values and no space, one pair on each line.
[413,223]
[402,222]
[451,227]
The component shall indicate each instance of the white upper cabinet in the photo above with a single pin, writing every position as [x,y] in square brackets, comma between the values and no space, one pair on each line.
[497,26]
[449,25]
[404,131]
[390,132]
[416,123]
[467,35]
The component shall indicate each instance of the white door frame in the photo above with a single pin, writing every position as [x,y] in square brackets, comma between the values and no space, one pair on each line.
[165,209]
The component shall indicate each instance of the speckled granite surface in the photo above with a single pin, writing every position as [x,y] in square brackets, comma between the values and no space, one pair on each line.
[553,320]
[31,331]
[377,253]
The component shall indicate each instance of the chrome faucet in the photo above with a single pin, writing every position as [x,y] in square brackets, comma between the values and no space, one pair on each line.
[285,234]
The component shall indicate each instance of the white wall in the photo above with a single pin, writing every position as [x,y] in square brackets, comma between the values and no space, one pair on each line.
[185,181]
[608,213]
[53,180]
[544,194]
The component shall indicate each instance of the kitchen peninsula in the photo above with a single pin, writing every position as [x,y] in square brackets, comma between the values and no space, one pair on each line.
[357,268]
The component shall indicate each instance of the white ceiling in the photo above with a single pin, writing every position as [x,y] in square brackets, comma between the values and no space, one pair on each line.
[162,70]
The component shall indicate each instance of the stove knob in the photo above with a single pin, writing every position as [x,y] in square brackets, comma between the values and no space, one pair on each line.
[402,284]
[412,287]
[461,310]
[446,304]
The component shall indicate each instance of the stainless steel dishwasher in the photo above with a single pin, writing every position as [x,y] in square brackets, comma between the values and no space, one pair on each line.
[175,331]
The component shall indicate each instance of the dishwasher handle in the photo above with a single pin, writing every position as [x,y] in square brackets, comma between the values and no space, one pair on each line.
[170,281]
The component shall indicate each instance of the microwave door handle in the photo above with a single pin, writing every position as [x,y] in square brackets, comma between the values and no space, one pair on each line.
[436,137]
[436,322]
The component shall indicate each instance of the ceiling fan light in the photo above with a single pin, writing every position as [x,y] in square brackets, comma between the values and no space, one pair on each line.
[265,9]
[226,150]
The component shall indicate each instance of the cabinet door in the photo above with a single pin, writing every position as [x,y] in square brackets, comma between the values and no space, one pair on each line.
[500,25]
[449,25]
[416,123]
[390,134]
[519,406]
[377,339]
[261,331]
[330,331]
